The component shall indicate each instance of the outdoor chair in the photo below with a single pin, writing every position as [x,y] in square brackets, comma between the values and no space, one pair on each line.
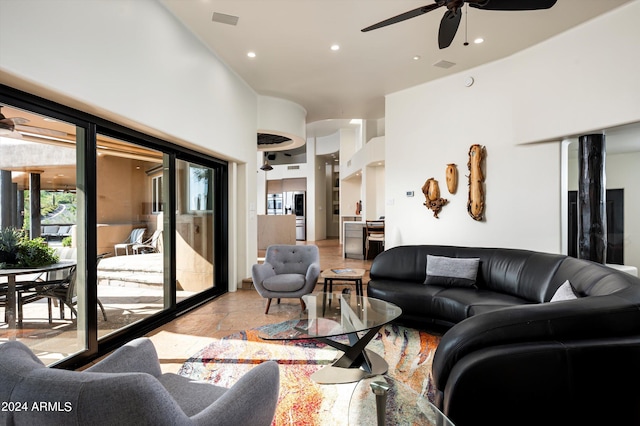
[152,245]
[134,238]
[288,271]
[128,387]
[58,286]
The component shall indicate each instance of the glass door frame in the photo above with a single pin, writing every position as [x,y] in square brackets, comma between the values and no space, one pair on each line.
[86,154]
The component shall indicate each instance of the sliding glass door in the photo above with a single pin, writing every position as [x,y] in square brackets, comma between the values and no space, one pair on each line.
[41,181]
[195,230]
[129,234]
[141,222]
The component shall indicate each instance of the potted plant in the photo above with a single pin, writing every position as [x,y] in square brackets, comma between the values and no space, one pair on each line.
[18,251]
[9,240]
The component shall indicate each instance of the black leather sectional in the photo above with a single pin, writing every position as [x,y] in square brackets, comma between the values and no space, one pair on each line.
[511,357]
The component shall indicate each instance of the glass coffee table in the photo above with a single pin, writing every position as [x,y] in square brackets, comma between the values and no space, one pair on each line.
[333,315]
[383,400]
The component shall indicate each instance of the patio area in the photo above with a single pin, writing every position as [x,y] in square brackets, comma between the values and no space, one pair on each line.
[130,289]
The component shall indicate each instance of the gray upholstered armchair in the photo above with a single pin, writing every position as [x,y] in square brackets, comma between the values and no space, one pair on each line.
[128,387]
[288,271]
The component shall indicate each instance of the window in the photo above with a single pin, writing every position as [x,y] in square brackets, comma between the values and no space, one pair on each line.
[156,195]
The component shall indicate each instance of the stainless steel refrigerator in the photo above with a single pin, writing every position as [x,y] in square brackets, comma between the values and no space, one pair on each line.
[300,210]
[295,203]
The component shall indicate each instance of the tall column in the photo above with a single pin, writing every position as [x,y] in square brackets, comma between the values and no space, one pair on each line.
[15,207]
[34,203]
[592,192]
[6,200]
[19,209]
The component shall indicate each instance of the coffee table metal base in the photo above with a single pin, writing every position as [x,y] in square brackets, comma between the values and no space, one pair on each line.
[331,374]
[356,363]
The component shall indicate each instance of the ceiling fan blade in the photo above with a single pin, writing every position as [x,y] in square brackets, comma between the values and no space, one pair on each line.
[404,16]
[513,4]
[448,27]
[40,130]
[7,124]
[18,120]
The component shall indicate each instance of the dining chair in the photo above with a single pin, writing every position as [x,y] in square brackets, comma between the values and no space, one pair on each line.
[374,230]
[58,286]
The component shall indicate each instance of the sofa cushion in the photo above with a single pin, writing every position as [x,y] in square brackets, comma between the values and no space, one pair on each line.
[564,292]
[451,271]
[457,303]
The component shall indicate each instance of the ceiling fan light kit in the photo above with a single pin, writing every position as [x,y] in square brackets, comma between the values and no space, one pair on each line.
[451,19]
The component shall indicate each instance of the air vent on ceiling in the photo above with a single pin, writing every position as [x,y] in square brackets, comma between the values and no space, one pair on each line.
[444,64]
[293,167]
[225,19]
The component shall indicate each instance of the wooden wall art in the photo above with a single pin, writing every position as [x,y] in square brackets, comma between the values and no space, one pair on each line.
[475,205]
[452,178]
[431,191]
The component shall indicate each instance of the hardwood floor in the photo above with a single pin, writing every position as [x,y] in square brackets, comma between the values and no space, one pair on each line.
[240,310]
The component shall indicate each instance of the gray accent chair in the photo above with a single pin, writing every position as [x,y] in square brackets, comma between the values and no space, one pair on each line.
[288,271]
[128,387]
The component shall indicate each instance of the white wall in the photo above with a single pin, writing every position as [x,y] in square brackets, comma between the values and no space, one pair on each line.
[131,58]
[571,84]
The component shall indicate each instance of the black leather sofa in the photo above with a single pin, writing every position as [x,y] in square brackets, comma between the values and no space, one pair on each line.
[511,357]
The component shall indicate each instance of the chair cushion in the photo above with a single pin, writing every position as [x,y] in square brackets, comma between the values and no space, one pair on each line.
[284,282]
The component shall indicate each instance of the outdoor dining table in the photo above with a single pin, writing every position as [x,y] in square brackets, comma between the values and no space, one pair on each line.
[11,274]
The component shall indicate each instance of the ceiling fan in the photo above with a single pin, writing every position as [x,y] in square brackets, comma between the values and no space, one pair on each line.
[8,125]
[15,127]
[451,19]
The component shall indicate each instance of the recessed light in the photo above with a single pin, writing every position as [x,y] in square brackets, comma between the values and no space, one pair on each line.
[478,40]
[335,47]
[416,58]
[251,54]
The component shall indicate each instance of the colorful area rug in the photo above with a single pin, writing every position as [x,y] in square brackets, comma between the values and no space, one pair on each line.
[408,352]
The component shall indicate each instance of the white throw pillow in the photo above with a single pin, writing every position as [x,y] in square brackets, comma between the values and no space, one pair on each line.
[564,292]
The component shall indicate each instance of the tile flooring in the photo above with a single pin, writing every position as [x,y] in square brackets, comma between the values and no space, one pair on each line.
[178,340]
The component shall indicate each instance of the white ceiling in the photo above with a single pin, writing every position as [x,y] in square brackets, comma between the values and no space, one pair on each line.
[292,40]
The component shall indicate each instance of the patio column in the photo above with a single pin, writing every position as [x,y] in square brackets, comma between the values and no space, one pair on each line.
[19,210]
[592,202]
[6,199]
[34,201]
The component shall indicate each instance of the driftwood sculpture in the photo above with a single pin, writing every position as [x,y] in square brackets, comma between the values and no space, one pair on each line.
[431,191]
[452,178]
[475,205]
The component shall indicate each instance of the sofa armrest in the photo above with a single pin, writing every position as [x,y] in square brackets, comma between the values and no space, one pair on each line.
[583,318]
[525,383]
[137,356]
